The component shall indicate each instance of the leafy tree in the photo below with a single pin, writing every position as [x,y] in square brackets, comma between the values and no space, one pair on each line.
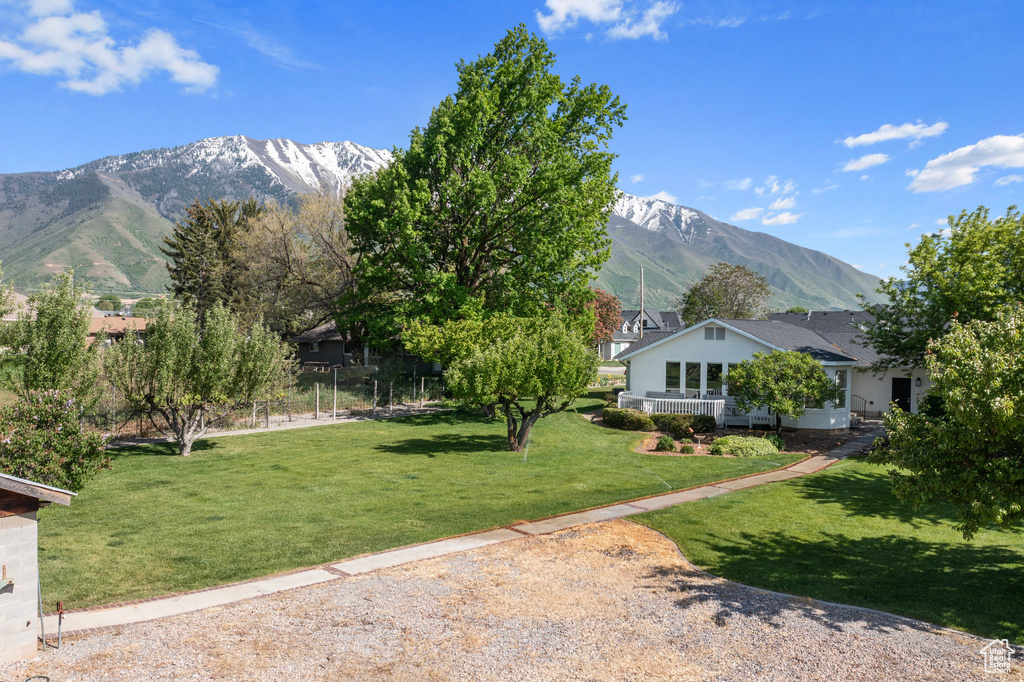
[6,295]
[730,292]
[148,307]
[522,368]
[40,440]
[607,311]
[797,309]
[296,263]
[50,342]
[193,375]
[499,203]
[783,381]
[972,270]
[108,302]
[968,451]
[201,250]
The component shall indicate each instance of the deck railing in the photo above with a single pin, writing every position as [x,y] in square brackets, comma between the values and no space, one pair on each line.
[711,408]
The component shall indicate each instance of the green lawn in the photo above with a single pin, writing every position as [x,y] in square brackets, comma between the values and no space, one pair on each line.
[610,363]
[842,536]
[253,505]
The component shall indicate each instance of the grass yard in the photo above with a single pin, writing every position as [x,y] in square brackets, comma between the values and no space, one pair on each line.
[842,536]
[252,505]
[610,363]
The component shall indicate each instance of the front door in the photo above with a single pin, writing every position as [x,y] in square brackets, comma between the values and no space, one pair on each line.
[901,392]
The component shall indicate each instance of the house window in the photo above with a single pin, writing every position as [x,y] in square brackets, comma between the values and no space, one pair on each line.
[714,333]
[714,377]
[693,376]
[314,346]
[671,376]
[841,380]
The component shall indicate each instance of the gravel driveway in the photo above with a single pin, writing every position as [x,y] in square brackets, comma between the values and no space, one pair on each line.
[609,601]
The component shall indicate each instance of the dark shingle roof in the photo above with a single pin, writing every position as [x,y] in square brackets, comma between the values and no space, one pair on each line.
[852,343]
[649,338]
[791,337]
[666,321]
[328,331]
[825,320]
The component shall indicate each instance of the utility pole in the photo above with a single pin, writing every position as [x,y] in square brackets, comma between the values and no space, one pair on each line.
[641,301]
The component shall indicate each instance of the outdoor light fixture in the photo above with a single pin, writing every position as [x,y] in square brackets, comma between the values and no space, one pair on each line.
[917,382]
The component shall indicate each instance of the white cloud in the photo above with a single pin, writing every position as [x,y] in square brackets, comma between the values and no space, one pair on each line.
[1007,179]
[784,218]
[865,177]
[866,161]
[826,188]
[75,46]
[664,196]
[859,267]
[942,221]
[742,184]
[913,131]
[747,214]
[914,226]
[622,17]
[960,167]
[783,203]
[648,25]
[267,46]
[911,172]
[639,177]
[773,186]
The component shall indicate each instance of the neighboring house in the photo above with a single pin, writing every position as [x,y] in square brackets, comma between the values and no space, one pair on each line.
[628,332]
[871,393]
[114,327]
[693,363]
[321,348]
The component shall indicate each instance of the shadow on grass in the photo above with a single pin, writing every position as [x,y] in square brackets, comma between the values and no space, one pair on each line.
[447,444]
[971,587]
[159,449]
[870,495]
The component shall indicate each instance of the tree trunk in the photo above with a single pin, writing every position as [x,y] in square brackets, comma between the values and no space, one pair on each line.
[517,439]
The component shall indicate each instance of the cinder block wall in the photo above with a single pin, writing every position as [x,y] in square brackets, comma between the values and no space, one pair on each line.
[19,603]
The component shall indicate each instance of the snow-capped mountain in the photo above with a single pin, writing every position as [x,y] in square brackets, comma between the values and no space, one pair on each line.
[107,218]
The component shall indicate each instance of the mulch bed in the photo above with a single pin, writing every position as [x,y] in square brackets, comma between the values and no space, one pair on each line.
[797,442]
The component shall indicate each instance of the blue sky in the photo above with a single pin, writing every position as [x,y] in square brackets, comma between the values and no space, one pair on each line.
[850,127]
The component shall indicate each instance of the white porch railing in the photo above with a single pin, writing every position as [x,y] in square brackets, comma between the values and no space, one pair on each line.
[711,408]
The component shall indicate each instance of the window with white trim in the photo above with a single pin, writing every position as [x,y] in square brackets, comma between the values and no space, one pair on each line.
[314,346]
[841,382]
[714,333]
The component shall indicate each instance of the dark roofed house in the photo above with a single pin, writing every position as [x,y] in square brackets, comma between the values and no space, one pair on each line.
[321,348]
[628,332]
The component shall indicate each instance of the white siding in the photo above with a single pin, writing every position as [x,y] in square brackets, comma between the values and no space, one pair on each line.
[876,389]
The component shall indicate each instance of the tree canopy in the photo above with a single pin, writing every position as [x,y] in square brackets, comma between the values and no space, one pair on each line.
[730,292]
[607,311]
[967,447]
[521,368]
[973,269]
[783,381]
[201,249]
[192,373]
[498,204]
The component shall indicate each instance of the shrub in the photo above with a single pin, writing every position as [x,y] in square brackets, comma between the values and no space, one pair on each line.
[627,420]
[40,440]
[776,440]
[684,425]
[666,444]
[686,449]
[742,446]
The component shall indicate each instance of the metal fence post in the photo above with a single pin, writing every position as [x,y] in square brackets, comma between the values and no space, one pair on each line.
[316,393]
[391,397]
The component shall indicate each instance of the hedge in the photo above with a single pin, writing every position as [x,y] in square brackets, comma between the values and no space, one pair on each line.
[679,425]
[627,420]
[742,446]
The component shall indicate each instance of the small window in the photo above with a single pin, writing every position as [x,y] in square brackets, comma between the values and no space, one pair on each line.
[714,333]
[625,327]
[314,346]
[841,380]
[671,376]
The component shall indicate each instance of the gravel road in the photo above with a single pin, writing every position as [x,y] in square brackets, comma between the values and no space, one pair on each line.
[609,601]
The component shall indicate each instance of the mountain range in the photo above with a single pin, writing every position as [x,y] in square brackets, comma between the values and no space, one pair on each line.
[106,218]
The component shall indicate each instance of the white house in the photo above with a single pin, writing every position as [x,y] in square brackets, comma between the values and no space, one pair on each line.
[628,332]
[871,393]
[694,362]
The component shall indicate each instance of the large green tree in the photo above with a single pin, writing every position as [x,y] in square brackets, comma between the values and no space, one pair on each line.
[729,292]
[523,369]
[498,204]
[971,270]
[202,250]
[50,346]
[785,382]
[967,446]
[193,373]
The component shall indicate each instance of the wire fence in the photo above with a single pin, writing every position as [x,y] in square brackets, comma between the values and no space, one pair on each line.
[302,397]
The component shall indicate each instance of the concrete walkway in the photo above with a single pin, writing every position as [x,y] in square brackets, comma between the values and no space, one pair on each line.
[106,617]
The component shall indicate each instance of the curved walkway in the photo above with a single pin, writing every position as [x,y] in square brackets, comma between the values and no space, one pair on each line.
[109,616]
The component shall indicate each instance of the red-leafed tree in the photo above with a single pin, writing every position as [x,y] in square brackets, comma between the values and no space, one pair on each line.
[607,313]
